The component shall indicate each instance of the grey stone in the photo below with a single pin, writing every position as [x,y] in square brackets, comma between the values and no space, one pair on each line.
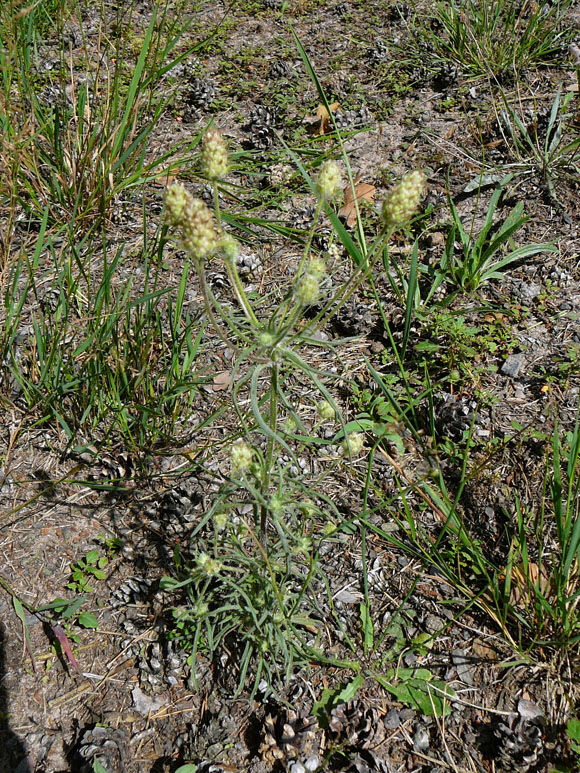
[528,292]
[513,365]
[421,739]
[392,719]
[463,665]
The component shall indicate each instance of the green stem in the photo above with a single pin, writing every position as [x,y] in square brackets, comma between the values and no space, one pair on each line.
[345,292]
[225,335]
[233,275]
[269,458]
[236,282]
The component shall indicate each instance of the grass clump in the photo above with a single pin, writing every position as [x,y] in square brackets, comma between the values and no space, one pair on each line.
[499,38]
[83,139]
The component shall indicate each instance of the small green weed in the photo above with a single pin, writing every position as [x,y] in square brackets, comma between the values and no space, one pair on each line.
[92,566]
[67,610]
[451,349]
[417,688]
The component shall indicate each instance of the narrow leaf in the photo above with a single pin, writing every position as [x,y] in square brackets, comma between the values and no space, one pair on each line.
[19,609]
[65,644]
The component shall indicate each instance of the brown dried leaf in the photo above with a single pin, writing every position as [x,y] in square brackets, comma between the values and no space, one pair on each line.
[222,381]
[524,584]
[484,650]
[362,191]
[321,122]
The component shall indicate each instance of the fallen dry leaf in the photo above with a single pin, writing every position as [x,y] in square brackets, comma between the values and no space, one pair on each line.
[321,123]
[525,585]
[484,651]
[221,381]
[361,191]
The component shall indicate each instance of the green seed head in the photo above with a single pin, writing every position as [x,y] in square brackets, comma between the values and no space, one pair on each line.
[307,508]
[201,609]
[220,521]
[329,181]
[241,456]
[289,426]
[208,565]
[230,247]
[353,444]
[303,544]
[307,289]
[176,199]
[325,410]
[316,267]
[266,339]
[214,155]
[276,506]
[198,232]
[402,201]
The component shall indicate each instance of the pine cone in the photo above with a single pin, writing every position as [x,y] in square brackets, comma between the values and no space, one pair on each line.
[133,590]
[454,414]
[247,263]
[352,119]
[163,663]
[280,69]
[260,115]
[262,137]
[108,746]
[322,240]
[291,738]
[353,319]
[352,724]
[368,762]
[202,93]
[520,738]
[400,11]
[261,122]
[303,218]
[446,77]
[379,52]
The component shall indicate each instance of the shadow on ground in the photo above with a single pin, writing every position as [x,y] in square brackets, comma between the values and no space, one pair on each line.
[13,755]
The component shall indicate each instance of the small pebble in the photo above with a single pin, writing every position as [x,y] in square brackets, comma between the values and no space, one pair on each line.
[512,365]
[392,719]
[421,739]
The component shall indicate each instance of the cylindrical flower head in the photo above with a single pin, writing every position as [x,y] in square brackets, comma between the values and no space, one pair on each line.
[176,199]
[208,565]
[214,155]
[198,232]
[325,410]
[402,201]
[329,182]
[241,456]
[307,289]
[353,444]
[230,247]
[316,267]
